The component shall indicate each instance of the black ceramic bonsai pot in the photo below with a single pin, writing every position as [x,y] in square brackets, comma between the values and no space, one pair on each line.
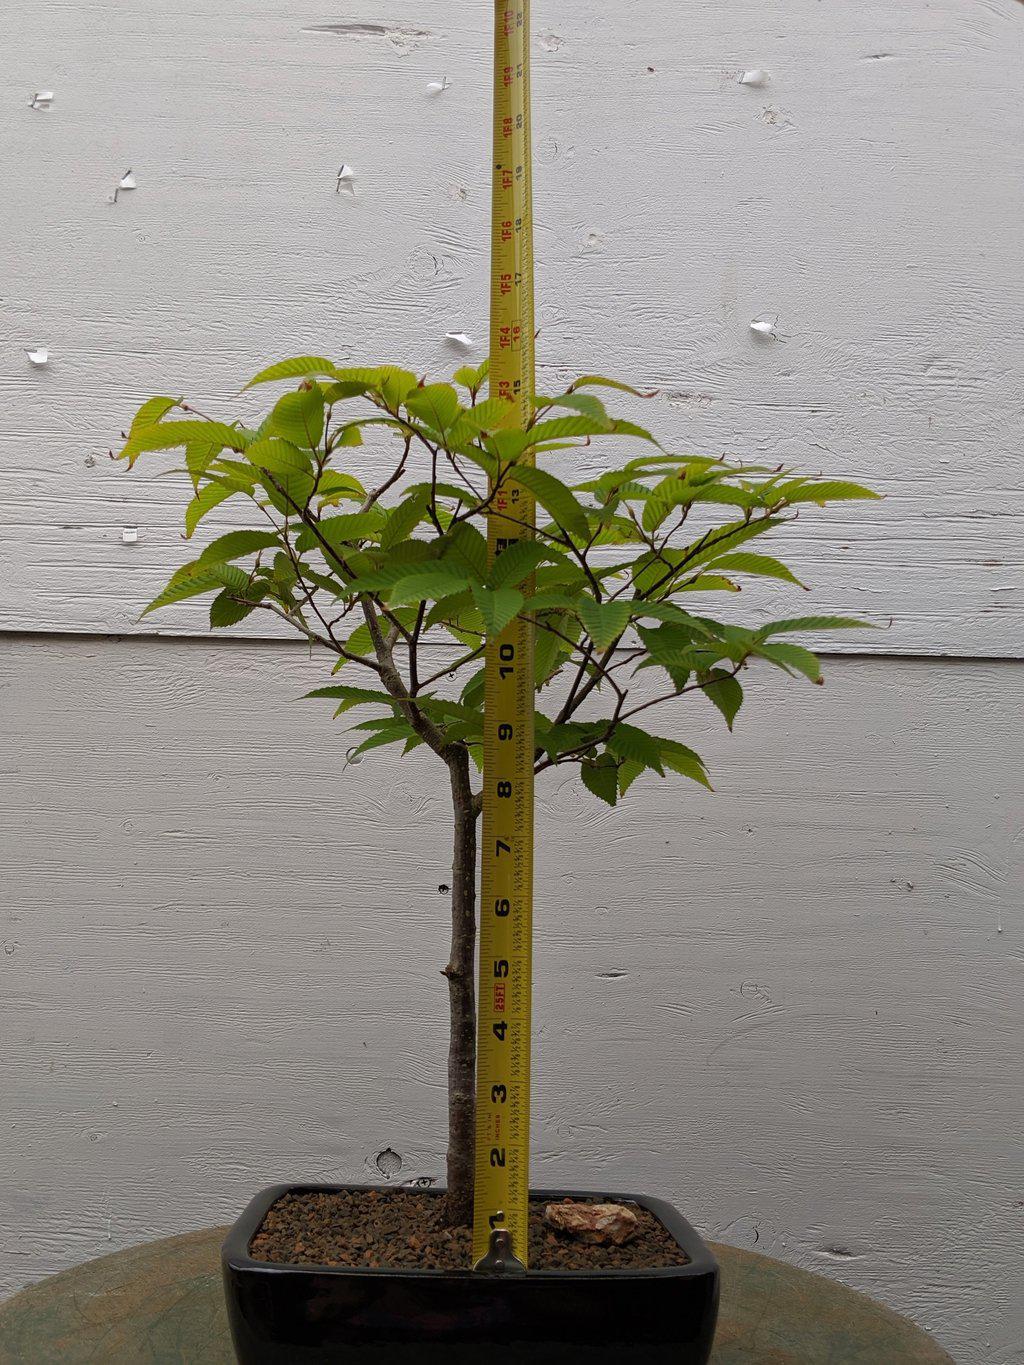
[323,1315]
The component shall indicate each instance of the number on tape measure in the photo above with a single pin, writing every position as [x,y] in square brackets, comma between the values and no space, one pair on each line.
[503,1034]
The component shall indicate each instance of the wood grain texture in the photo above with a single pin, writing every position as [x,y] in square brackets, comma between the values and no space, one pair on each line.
[867,198]
[792,1007]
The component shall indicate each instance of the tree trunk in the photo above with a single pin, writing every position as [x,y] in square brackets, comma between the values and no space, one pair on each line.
[460,973]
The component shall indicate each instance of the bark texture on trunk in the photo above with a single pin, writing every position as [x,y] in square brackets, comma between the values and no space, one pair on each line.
[460,972]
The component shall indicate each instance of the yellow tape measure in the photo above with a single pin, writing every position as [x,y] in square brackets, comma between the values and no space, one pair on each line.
[506,901]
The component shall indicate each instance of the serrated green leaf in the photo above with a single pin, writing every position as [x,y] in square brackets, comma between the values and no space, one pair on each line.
[279,456]
[299,367]
[236,545]
[395,385]
[707,582]
[205,501]
[468,377]
[198,459]
[344,529]
[828,490]
[404,519]
[171,435]
[684,761]
[490,415]
[602,779]
[299,418]
[763,565]
[629,771]
[561,428]
[604,621]
[347,436]
[516,563]
[601,381]
[723,691]
[586,404]
[225,610]
[191,580]
[497,606]
[352,696]
[795,623]
[790,657]
[429,583]
[553,495]
[466,547]
[335,486]
[628,741]
[437,404]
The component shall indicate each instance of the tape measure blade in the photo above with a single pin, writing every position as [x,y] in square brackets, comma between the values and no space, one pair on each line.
[506,908]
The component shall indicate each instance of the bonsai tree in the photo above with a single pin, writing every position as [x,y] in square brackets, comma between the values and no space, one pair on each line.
[614,580]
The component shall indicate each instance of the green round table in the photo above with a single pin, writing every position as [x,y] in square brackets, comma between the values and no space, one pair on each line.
[161,1304]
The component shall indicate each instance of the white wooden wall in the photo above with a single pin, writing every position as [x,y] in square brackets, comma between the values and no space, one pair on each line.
[813,1043]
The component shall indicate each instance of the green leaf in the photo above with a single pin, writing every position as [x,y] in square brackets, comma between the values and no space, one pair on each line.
[469,378]
[829,490]
[723,691]
[334,487]
[763,565]
[236,545]
[225,610]
[497,606]
[561,428]
[437,404]
[516,563]
[627,741]
[466,547]
[395,385]
[404,519]
[345,529]
[170,435]
[604,621]
[299,418]
[352,696]
[348,436]
[151,412]
[556,499]
[490,415]
[198,458]
[673,491]
[602,779]
[429,583]
[789,657]
[279,456]
[191,580]
[301,367]
[204,501]
[684,761]
[707,582]
[629,771]
[794,623]
[586,404]
[601,381]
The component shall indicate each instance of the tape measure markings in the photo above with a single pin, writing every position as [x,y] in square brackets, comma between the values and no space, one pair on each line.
[506,902]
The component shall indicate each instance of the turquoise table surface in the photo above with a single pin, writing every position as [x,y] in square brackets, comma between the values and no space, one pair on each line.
[161,1304]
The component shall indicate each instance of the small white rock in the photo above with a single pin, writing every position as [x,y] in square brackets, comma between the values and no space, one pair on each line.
[763,327]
